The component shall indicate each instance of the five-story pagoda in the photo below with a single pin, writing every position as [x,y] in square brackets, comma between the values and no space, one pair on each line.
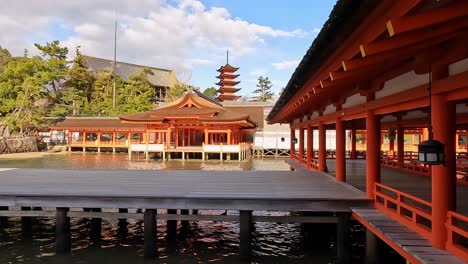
[227,82]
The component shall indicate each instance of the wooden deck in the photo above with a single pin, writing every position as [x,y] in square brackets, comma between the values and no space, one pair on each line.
[417,185]
[181,189]
[402,239]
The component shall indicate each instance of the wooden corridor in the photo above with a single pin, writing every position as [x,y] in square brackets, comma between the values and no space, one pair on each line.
[413,184]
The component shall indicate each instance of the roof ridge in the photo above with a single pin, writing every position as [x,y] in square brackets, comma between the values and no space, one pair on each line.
[127,63]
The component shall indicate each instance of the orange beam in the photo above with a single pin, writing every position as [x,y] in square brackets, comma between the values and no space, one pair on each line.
[428,18]
[372,27]
[438,33]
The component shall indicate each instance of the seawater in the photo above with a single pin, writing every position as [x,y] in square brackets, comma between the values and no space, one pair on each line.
[200,242]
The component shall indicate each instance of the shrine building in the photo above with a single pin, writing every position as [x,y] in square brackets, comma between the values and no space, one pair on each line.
[390,70]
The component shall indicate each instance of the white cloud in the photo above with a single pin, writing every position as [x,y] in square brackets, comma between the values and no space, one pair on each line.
[285,65]
[150,32]
[258,72]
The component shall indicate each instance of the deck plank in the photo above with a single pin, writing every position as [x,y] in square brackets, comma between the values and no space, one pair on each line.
[407,240]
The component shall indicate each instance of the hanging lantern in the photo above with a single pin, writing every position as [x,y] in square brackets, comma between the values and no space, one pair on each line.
[282,139]
[431,152]
[294,140]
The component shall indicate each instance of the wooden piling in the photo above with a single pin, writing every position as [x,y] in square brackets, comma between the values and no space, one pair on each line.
[245,221]
[62,231]
[372,249]
[184,223]
[26,222]
[149,249]
[96,226]
[342,239]
[171,227]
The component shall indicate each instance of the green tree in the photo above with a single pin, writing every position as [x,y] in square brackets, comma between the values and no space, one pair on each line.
[211,92]
[138,94]
[23,93]
[5,58]
[264,85]
[77,87]
[175,92]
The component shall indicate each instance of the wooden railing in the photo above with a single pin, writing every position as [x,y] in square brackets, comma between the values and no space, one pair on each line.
[409,210]
[457,235]
[313,164]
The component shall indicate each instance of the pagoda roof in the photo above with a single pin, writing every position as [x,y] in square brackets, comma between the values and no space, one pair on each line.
[227,68]
[191,106]
[228,97]
[228,90]
[224,81]
[224,75]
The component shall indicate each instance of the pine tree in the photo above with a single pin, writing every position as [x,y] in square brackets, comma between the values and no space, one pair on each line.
[264,85]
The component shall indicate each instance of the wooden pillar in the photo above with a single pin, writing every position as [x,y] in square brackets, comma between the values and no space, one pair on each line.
[425,134]
[176,143]
[372,152]
[343,246]
[184,223]
[171,228]
[401,144]
[98,141]
[245,221]
[189,137]
[340,166]
[310,144]
[229,137]
[353,144]
[96,226]
[292,147]
[62,231]
[322,151]
[372,248]
[26,222]
[443,176]
[150,233]
[301,143]
[168,138]
[206,136]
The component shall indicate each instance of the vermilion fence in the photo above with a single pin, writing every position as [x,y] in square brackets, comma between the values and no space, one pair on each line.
[457,235]
[407,209]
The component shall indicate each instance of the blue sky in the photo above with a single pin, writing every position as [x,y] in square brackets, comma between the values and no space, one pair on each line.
[264,37]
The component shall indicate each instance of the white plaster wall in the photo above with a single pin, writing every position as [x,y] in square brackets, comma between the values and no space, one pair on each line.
[414,115]
[353,100]
[329,109]
[461,108]
[402,83]
[314,116]
[458,67]
[388,118]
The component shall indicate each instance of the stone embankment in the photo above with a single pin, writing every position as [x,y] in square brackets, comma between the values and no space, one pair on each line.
[10,144]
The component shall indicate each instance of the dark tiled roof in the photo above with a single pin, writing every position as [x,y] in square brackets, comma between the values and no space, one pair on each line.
[94,123]
[160,77]
[343,20]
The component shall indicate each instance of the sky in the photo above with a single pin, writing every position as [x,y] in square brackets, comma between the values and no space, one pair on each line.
[264,37]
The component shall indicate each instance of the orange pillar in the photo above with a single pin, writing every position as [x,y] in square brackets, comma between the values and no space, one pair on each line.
[353,143]
[443,177]
[310,145]
[372,152]
[293,135]
[340,151]
[401,144]
[425,134]
[322,152]
[301,143]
